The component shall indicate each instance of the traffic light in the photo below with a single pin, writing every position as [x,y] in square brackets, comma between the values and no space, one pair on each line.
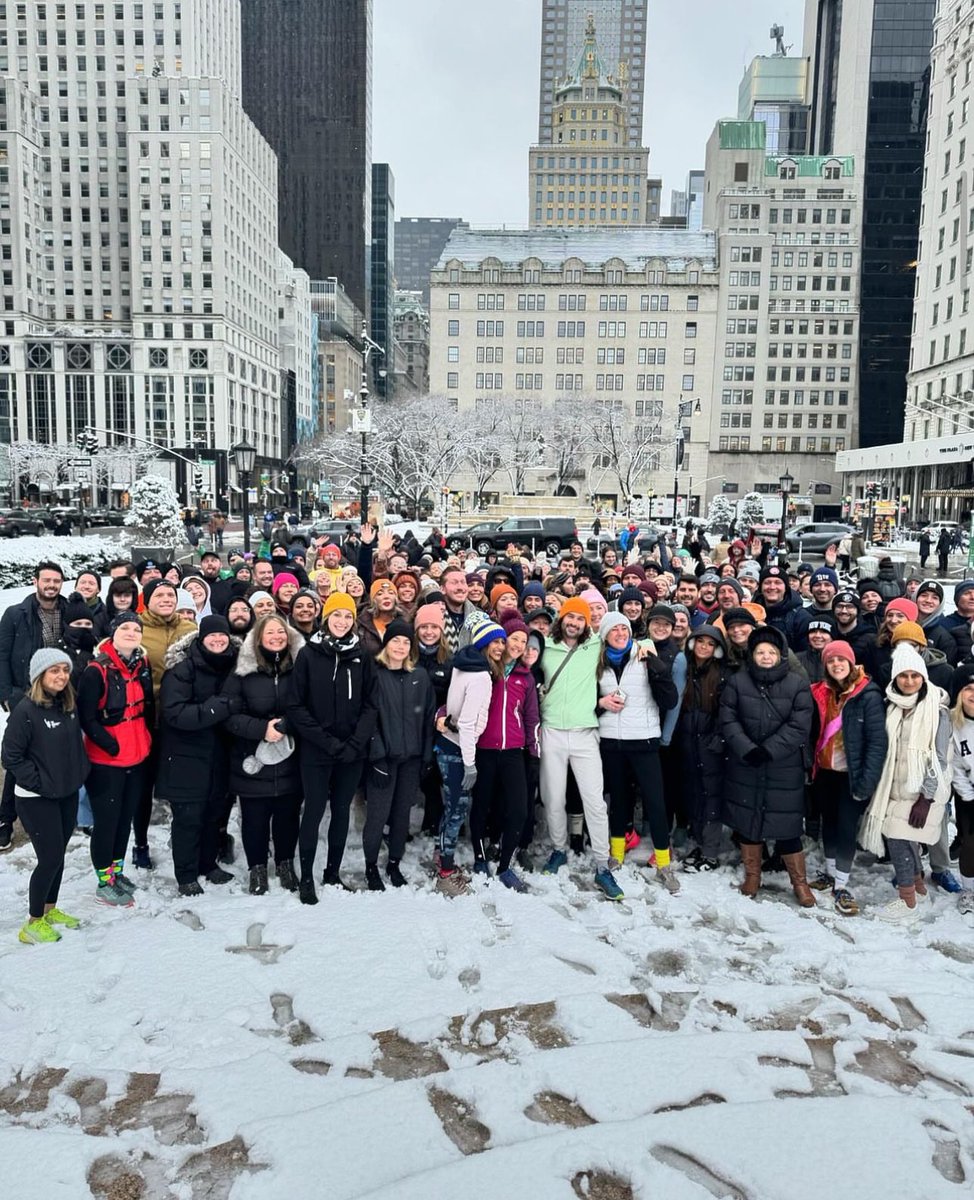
[873,490]
[198,480]
[88,441]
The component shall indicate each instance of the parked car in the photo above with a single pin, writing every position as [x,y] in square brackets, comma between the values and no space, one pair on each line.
[14,522]
[306,534]
[551,534]
[815,536]
[647,539]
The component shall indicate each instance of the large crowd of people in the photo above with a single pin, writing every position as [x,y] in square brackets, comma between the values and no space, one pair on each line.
[716,701]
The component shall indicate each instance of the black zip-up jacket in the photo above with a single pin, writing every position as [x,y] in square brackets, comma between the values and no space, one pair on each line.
[194,747]
[44,750]
[21,633]
[333,709]
[440,674]
[265,689]
[406,709]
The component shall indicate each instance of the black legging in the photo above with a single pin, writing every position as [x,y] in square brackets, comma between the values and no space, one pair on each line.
[431,785]
[631,768]
[502,790]
[390,793]
[782,845]
[262,817]
[676,814]
[840,817]
[113,793]
[142,812]
[49,824]
[964,816]
[333,782]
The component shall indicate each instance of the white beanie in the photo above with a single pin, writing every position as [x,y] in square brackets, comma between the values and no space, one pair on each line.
[905,658]
[184,600]
[610,621]
[45,658]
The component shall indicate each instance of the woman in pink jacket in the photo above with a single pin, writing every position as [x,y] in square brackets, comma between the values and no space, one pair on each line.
[500,796]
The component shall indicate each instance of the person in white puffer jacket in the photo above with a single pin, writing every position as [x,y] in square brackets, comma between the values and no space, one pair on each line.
[636,689]
[962,778]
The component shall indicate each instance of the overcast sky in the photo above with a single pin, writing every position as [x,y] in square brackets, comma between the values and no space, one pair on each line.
[456,94]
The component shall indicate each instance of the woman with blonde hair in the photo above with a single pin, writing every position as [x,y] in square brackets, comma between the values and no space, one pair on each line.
[962,776]
[908,807]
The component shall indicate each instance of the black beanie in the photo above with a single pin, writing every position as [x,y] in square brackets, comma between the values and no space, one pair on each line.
[633,594]
[397,628]
[77,609]
[963,675]
[151,586]
[214,624]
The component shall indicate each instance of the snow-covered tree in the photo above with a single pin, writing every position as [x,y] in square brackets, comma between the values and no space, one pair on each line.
[627,452]
[413,451]
[566,440]
[480,430]
[720,513]
[521,440]
[751,511]
[154,512]
[45,466]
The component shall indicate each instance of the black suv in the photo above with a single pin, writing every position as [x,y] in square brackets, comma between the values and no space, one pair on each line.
[551,534]
[17,521]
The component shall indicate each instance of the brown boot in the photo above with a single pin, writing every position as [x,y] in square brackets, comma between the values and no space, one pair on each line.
[795,865]
[919,885]
[751,860]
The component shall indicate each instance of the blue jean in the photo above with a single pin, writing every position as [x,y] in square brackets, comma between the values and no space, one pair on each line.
[86,817]
[456,803]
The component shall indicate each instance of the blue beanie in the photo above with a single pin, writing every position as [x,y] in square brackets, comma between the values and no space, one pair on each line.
[533,589]
[824,574]
[965,585]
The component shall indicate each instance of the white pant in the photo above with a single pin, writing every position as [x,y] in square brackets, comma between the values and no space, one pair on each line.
[578,748]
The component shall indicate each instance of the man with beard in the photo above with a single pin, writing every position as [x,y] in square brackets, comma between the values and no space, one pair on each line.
[783,607]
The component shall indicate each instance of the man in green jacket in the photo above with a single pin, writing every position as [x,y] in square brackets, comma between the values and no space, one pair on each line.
[570,738]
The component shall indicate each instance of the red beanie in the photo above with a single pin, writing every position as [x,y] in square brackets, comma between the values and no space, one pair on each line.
[839,650]
[904,606]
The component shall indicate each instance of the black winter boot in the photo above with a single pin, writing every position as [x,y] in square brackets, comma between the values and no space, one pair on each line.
[258,881]
[394,875]
[286,876]
[373,878]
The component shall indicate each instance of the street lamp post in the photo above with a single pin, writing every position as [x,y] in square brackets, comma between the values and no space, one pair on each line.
[785,483]
[244,456]
[685,410]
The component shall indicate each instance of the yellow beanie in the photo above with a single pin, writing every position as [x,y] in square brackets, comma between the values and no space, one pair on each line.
[336,601]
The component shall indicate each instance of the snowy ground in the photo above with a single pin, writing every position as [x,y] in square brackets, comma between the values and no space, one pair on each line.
[553,1045]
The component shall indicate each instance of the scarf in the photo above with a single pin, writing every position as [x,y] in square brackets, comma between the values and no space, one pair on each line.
[618,657]
[919,747]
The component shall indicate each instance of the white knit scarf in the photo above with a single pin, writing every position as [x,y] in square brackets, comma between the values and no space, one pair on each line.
[919,748]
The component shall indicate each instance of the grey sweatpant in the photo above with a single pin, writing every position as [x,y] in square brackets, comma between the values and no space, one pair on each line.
[580,749]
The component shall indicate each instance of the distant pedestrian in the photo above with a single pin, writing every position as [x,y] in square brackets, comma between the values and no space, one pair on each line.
[944,543]
[924,548]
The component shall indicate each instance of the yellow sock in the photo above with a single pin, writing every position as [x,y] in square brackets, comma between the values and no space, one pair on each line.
[617,848]
[663,858]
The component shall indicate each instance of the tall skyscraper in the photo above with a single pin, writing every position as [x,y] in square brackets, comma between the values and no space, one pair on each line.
[622,40]
[774,90]
[139,233]
[383,276]
[590,173]
[307,85]
[419,244]
[870,65]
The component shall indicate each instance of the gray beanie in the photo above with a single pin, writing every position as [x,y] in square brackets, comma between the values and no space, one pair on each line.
[41,660]
[258,596]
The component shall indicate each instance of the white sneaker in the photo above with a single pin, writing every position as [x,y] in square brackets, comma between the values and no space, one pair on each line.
[965,903]
[898,912]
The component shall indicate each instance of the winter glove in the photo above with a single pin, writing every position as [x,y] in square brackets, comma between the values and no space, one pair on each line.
[919,812]
[469,779]
[349,754]
[757,756]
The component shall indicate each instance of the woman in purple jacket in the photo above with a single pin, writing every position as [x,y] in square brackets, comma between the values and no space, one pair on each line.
[500,794]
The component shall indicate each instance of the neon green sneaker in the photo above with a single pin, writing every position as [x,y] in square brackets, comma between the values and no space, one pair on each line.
[36,931]
[57,917]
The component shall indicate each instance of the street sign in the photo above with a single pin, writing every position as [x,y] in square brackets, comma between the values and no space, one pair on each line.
[80,462]
[82,475]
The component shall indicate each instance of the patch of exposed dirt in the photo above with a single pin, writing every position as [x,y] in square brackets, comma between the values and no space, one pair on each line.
[697,1102]
[601,1185]
[459,1121]
[673,1008]
[552,1108]
[399,1058]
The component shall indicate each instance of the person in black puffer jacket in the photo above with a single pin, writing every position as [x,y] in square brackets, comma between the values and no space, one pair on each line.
[434,657]
[765,720]
[270,793]
[194,770]
[699,748]
[333,714]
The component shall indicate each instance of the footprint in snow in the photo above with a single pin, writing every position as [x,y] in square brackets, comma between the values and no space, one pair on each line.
[257,948]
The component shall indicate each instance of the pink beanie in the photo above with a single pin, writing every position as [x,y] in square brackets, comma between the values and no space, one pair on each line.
[904,606]
[839,649]
[592,595]
[429,614]
[284,577]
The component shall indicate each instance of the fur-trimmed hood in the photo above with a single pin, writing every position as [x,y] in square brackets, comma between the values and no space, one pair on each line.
[247,663]
[179,651]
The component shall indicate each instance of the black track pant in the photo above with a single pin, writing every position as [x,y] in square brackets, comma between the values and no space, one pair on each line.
[196,836]
[326,783]
[669,759]
[265,817]
[113,793]
[840,817]
[8,801]
[964,816]
[390,793]
[49,824]
[143,808]
[431,784]
[631,769]
[501,790]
